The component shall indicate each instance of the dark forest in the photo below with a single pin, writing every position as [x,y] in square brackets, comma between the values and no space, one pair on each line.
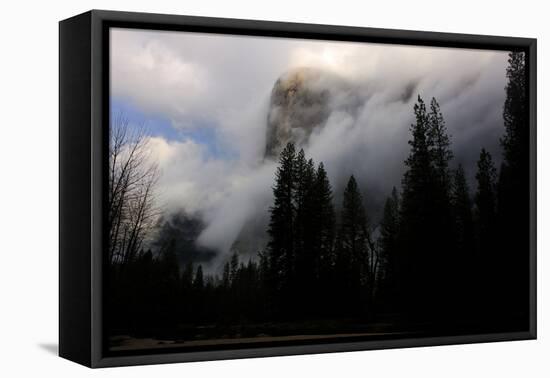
[445,258]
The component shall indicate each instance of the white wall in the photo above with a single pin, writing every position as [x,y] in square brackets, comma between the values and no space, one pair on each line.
[28,207]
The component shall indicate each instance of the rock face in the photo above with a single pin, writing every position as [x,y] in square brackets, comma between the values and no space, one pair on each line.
[299,103]
[302,100]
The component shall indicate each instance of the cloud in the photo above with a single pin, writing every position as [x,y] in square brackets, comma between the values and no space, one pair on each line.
[225,82]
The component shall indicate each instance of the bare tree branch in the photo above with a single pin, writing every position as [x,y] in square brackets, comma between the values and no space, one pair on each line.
[132,180]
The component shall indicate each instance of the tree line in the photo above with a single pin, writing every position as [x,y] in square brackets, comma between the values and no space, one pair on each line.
[442,253]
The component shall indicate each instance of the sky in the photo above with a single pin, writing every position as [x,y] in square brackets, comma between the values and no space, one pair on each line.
[205,98]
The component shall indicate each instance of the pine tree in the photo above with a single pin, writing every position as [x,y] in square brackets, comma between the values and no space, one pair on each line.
[263,268]
[464,268]
[515,140]
[264,284]
[489,261]
[439,143]
[445,256]
[304,234]
[513,194]
[198,309]
[485,199]
[324,222]
[233,266]
[320,237]
[226,276]
[462,212]
[282,230]
[353,226]
[389,228]
[198,282]
[352,253]
[416,209]
[389,246]
[425,211]
[417,180]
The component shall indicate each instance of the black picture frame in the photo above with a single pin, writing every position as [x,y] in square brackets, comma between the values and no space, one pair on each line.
[83,143]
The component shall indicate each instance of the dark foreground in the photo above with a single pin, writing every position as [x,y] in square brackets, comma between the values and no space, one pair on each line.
[218,337]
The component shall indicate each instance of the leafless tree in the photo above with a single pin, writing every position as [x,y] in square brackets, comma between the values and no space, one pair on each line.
[132,180]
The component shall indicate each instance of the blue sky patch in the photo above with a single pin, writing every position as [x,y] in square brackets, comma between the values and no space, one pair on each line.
[201,132]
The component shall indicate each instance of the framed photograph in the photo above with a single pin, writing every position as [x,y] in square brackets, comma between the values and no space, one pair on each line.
[234,188]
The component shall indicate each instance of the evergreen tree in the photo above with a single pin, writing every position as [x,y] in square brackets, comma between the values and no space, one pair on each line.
[352,254]
[513,195]
[389,246]
[485,200]
[226,276]
[462,212]
[282,229]
[304,238]
[323,222]
[465,270]
[416,215]
[198,282]
[265,304]
[321,238]
[490,264]
[233,267]
[199,297]
[417,181]
[425,210]
[445,256]
[515,141]
[439,143]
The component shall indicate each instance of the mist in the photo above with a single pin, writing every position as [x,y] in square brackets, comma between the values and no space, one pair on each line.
[225,84]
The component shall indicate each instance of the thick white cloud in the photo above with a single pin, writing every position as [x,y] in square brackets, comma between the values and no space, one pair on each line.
[226,81]
[225,193]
